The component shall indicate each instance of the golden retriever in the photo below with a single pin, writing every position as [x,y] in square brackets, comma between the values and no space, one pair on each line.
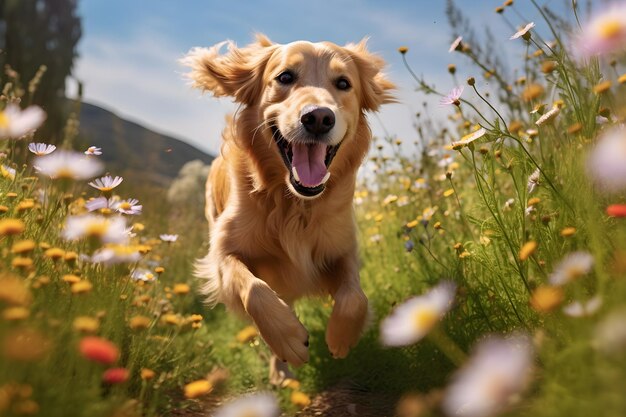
[279,197]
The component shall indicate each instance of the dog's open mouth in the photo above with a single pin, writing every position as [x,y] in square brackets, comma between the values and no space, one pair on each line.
[307,163]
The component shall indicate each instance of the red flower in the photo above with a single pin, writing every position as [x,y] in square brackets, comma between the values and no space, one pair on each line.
[616,210]
[115,376]
[99,350]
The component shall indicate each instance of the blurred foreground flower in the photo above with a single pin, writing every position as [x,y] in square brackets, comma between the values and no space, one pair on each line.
[610,334]
[616,210]
[496,374]
[257,405]
[41,149]
[415,318]
[115,376]
[605,33]
[106,229]
[15,123]
[67,165]
[98,350]
[198,388]
[573,266]
[607,161]
[583,309]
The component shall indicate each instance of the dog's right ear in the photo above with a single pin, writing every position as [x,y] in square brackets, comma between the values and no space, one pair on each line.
[238,73]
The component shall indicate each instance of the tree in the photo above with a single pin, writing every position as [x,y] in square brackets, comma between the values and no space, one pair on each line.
[35,33]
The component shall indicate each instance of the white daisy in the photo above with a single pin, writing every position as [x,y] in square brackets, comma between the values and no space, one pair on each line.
[97,204]
[523,32]
[469,138]
[67,165]
[168,238]
[141,274]
[607,162]
[548,116]
[92,150]
[533,180]
[15,123]
[579,309]
[128,206]
[106,229]
[115,255]
[453,97]
[456,44]
[255,405]
[41,149]
[412,320]
[495,375]
[106,183]
[573,266]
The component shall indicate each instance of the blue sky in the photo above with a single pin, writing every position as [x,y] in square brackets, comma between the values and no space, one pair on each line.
[129,51]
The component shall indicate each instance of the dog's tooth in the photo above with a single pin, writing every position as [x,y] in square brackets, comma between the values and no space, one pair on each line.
[326,177]
[294,171]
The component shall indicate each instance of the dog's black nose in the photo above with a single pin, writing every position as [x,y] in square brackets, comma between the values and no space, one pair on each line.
[317,120]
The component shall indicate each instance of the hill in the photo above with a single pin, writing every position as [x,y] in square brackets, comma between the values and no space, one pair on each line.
[130,149]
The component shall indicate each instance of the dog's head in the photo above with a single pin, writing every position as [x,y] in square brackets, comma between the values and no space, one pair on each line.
[308,98]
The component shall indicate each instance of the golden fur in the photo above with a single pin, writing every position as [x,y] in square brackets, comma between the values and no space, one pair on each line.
[269,245]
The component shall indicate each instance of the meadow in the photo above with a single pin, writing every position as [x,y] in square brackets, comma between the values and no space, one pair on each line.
[493,248]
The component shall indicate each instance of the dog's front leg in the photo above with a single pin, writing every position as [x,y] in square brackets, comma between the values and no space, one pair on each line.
[276,322]
[350,311]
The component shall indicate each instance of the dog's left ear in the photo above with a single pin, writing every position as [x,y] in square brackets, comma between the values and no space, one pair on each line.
[237,73]
[375,88]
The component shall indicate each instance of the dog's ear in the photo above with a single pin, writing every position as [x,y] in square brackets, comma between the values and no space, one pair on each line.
[237,73]
[375,87]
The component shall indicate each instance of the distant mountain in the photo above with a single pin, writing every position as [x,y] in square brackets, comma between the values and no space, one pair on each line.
[133,150]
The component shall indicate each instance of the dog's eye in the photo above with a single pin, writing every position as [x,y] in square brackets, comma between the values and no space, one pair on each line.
[286,77]
[343,84]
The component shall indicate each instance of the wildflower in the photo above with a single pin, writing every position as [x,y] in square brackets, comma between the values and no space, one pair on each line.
[23,246]
[533,181]
[81,287]
[527,249]
[170,318]
[548,66]
[605,33]
[99,350]
[92,150]
[106,183]
[198,388]
[412,320]
[300,399]
[147,374]
[532,92]
[116,254]
[181,289]
[548,116]
[469,138]
[607,161]
[390,199]
[139,322]
[11,227]
[97,204]
[448,192]
[129,206]
[24,344]
[453,97]
[578,309]
[108,230]
[403,50]
[54,253]
[524,32]
[86,324]
[497,372]
[169,238]
[409,245]
[41,149]
[545,298]
[114,376]
[15,123]
[7,172]
[13,290]
[452,68]
[602,87]
[142,275]
[456,45]
[247,334]
[573,266]
[257,405]
[15,313]
[21,262]
[568,231]
[610,333]
[67,165]
[616,210]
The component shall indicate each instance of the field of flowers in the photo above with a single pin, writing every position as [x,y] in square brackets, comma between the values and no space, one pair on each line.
[493,254]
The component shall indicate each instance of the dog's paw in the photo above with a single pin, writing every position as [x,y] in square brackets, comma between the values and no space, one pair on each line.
[346,323]
[278,325]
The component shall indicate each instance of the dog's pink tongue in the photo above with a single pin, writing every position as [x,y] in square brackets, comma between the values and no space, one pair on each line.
[308,160]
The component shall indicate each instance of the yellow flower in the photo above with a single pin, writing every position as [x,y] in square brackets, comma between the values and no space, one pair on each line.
[71,279]
[54,253]
[181,289]
[3,209]
[139,322]
[195,318]
[568,231]
[70,257]
[172,319]
[403,49]
[13,290]
[622,79]
[602,87]
[247,334]
[198,388]
[15,313]
[159,269]
[81,287]
[27,204]
[412,224]
[448,192]
[300,399]
[575,128]
[23,246]
[527,249]
[533,201]
[290,383]
[10,227]
[86,324]
[532,92]
[21,262]
[546,298]
[147,374]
